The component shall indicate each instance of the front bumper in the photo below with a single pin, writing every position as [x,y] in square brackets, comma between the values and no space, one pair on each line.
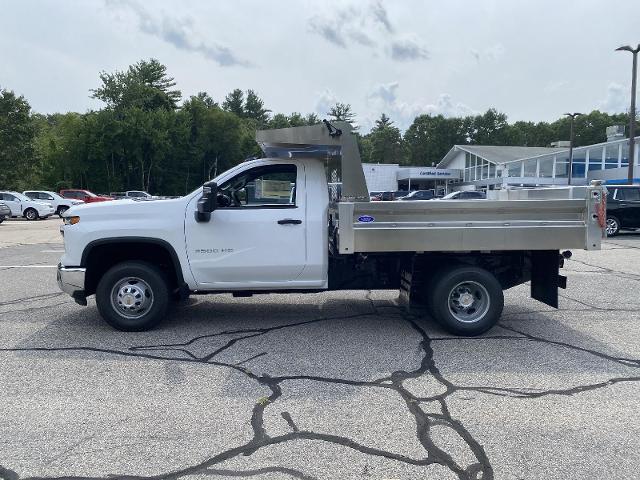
[71,281]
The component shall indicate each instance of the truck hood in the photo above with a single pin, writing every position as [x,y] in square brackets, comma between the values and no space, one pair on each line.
[126,209]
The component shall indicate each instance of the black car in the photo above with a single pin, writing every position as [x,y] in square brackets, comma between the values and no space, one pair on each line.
[623,208]
[420,195]
[465,195]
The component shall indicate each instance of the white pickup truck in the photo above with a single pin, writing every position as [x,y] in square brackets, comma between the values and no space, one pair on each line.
[300,220]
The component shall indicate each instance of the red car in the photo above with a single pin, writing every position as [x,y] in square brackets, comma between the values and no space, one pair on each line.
[84,195]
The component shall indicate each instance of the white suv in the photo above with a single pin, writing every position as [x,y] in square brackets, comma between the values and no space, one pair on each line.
[23,206]
[59,204]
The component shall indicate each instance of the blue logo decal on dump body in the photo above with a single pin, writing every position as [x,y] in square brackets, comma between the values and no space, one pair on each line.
[366,219]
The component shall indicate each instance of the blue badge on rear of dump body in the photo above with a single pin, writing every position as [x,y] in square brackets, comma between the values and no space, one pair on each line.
[366,219]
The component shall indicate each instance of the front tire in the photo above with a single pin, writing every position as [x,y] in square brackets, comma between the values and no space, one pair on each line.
[61,210]
[466,300]
[133,296]
[31,214]
[613,226]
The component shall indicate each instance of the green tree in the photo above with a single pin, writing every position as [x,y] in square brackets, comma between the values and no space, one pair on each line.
[234,103]
[429,138]
[16,141]
[144,85]
[386,142]
[254,109]
[342,112]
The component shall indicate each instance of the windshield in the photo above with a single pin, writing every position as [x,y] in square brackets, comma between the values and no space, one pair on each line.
[451,195]
[22,197]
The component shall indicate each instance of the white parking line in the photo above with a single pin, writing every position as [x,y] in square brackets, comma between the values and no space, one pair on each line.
[28,266]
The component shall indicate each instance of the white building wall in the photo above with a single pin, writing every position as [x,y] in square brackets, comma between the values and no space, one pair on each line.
[458,161]
[381,177]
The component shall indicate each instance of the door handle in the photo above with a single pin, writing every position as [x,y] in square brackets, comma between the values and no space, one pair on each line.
[289,221]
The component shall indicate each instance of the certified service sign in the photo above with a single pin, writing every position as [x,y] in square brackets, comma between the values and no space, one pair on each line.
[366,219]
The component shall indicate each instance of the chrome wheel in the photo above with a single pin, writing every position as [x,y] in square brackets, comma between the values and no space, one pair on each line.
[612,227]
[31,214]
[469,302]
[131,297]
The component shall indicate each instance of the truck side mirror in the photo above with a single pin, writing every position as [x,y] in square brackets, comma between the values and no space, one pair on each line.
[207,202]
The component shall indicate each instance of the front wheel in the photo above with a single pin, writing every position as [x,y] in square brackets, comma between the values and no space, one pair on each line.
[133,296]
[466,300]
[61,210]
[613,226]
[31,214]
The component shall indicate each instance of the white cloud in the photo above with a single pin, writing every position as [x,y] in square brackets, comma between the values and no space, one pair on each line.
[367,26]
[408,48]
[178,32]
[384,99]
[491,54]
[617,99]
[326,100]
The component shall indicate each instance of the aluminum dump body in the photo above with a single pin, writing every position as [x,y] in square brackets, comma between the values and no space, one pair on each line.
[537,219]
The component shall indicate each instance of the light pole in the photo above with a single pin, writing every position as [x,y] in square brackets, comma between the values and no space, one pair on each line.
[632,112]
[571,137]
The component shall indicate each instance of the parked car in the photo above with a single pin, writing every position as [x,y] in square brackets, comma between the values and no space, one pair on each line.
[23,206]
[59,204]
[5,212]
[134,195]
[420,195]
[465,195]
[375,196]
[84,195]
[623,208]
[398,194]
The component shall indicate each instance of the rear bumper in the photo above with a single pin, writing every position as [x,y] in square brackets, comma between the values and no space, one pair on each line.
[71,282]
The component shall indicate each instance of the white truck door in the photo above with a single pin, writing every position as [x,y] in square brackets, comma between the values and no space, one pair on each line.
[257,234]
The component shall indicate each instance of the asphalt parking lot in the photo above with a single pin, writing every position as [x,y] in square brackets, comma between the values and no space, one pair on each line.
[321,386]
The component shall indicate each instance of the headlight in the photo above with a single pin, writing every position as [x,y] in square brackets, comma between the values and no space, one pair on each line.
[71,220]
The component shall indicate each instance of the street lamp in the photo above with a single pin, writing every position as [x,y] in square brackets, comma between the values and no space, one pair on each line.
[632,112]
[571,136]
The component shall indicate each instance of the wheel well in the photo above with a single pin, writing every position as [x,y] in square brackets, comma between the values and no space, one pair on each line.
[99,258]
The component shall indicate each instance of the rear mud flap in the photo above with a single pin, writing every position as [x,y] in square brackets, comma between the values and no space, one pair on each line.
[545,277]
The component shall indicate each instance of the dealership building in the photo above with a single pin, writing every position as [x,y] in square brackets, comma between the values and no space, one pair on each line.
[389,177]
[488,167]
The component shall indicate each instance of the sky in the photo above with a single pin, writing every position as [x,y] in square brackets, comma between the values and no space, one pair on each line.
[533,59]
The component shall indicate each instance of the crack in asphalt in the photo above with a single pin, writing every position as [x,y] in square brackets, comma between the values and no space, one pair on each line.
[480,468]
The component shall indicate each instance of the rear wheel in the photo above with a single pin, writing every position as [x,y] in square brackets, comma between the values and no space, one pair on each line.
[133,296]
[61,210]
[613,226]
[466,300]
[31,214]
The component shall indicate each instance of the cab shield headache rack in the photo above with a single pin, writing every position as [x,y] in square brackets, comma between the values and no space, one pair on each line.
[323,140]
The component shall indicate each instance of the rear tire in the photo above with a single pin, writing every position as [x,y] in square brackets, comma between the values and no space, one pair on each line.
[466,300]
[613,226]
[133,296]
[61,210]
[31,214]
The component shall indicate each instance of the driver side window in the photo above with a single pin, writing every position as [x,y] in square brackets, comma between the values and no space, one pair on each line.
[267,186]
